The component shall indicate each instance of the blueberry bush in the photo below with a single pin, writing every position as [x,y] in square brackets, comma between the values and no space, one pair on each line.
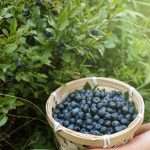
[44,44]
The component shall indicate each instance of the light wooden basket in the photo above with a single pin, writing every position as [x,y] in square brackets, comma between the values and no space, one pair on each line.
[71,140]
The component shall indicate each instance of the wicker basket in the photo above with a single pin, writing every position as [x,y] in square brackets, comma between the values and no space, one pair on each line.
[71,140]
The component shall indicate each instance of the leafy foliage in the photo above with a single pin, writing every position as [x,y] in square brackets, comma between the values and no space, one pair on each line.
[44,44]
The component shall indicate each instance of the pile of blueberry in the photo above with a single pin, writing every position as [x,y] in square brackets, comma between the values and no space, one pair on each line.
[96,112]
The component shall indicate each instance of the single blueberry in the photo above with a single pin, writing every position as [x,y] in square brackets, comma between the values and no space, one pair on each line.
[83,130]
[85,108]
[124,121]
[83,96]
[94,123]
[72,120]
[83,101]
[134,116]
[97,126]
[78,97]
[111,94]
[117,99]
[57,111]
[93,105]
[110,130]
[97,93]
[71,126]
[101,121]
[102,111]
[96,100]
[55,116]
[108,123]
[89,121]
[88,115]
[120,128]
[115,123]
[79,122]
[75,111]
[89,127]
[125,109]
[60,116]
[66,103]
[107,115]
[65,111]
[60,106]
[95,32]
[26,12]
[128,116]
[119,104]
[114,115]
[93,110]
[66,123]
[89,102]
[105,102]
[131,110]
[84,125]
[94,132]
[31,40]
[110,110]
[48,33]
[112,104]
[89,93]
[100,105]
[102,93]
[120,116]
[73,104]
[81,114]
[67,116]
[77,128]
[96,118]
[103,129]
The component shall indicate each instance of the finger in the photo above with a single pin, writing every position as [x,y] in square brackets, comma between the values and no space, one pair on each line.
[143,128]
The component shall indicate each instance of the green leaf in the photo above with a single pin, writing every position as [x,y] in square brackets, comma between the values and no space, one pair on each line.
[51,21]
[126,95]
[109,44]
[13,26]
[2,76]
[63,19]
[5,32]
[3,119]
[87,86]
[11,48]
[19,103]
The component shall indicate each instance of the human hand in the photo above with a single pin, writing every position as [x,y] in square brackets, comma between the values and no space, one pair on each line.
[140,142]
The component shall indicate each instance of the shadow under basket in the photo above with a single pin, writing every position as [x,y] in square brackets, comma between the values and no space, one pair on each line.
[67,139]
